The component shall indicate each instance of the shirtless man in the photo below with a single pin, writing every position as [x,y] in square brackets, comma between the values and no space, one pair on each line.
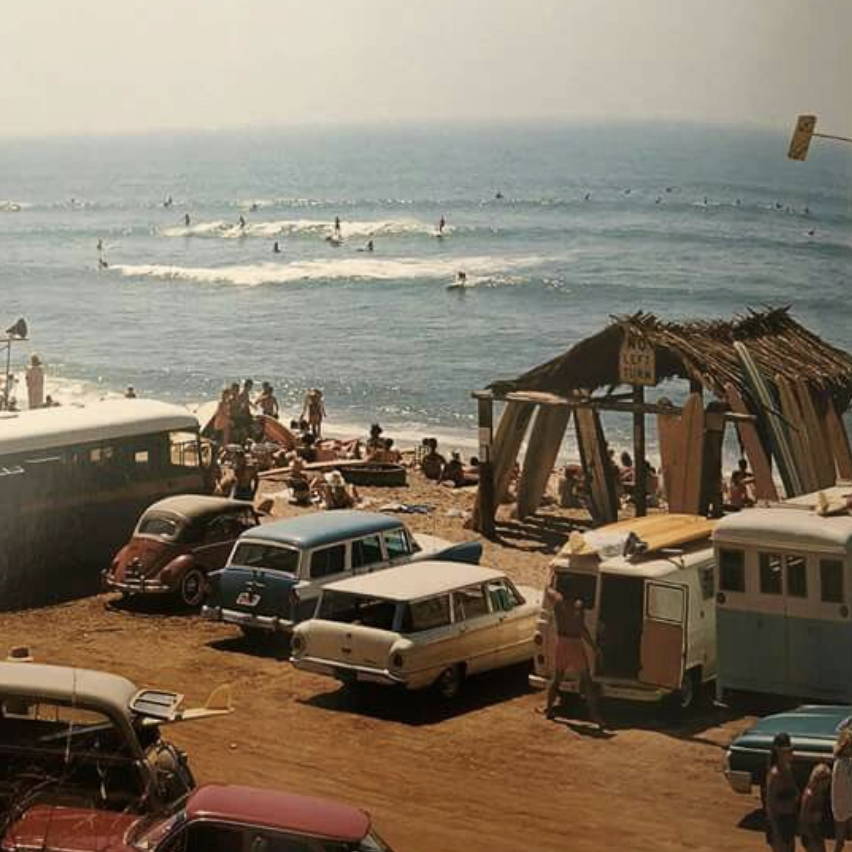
[314,410]
[570,653]
[245,479]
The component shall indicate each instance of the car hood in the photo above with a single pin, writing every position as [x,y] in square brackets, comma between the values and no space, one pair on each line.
[810,725]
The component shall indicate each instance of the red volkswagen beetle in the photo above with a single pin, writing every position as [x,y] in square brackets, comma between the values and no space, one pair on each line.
[214,818]
[176,542]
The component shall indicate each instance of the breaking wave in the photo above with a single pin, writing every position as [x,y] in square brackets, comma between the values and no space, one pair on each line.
[480,270]
[303,227]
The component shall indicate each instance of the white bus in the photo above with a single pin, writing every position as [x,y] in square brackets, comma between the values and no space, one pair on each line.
[73,481]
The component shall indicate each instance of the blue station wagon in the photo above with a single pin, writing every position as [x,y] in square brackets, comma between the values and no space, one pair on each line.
[275,572]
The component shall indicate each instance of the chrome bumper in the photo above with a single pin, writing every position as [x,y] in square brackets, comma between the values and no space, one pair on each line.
[138,586]
[346,672]
[609,688]
[271,623]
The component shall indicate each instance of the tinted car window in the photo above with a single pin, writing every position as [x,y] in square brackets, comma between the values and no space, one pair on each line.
[426,614]
[329,560]
[503,595]
[357,609]
[251,554]
[732,570]
[158,525]
[470,603]
[396,542]
[366,551]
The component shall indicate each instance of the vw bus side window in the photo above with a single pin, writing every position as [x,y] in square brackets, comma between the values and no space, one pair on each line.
[396,541]
[469,603]
[797,578]
[572,585]
[731,570]
[426,614]
[770,573]
[366,551]
[665,603]
[831,580]
[328,560]
[705,577]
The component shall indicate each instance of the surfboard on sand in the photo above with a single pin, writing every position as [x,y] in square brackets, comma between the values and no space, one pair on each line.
[797,434]
[277,432]
[692,423]
[776,428]
[603,500]
[764,487]
[669,438]
[542,448]
[818,437]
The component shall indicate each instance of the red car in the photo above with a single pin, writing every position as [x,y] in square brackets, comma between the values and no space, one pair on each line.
[176,542]
[214,818]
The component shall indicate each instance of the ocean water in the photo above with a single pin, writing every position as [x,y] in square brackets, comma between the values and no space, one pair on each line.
[684,221]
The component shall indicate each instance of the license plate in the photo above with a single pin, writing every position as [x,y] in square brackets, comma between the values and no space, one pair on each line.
[248,599]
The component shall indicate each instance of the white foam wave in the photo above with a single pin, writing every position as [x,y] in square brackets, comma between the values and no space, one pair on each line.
[302,227]
[362,268]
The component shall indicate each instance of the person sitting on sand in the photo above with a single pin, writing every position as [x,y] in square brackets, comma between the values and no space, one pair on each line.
[130,393]
[570,487]
[313,410]
[453,472]
[375,443]
[336,494]
[739,496]
[306,449]
[266,401]
[297,481]
[432,464]
[392,455]
[569,652]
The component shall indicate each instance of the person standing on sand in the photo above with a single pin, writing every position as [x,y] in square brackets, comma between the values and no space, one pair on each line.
[35,383]
[812,809]
[222,418]
[841,788]
[130,393]
[313,410]
[266,402]
[782,796]
[570,653]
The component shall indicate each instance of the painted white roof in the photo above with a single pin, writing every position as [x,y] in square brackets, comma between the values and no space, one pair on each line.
[656,564]
[48,428]
[843,489]
[793,528]
[416,580]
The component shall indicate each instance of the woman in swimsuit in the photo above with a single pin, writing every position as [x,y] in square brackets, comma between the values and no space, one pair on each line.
[782,796]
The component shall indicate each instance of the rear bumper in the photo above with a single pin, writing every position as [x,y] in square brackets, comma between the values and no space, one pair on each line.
[138,586]
[346,672]
[625,690]
[270,623]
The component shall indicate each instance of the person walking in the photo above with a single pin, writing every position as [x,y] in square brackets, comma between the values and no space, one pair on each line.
[841,788]
[782,796]
[35,383]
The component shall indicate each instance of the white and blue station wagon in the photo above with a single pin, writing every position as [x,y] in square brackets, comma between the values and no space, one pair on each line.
[275,572]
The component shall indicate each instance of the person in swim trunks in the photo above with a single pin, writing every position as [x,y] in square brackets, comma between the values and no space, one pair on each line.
[570,654]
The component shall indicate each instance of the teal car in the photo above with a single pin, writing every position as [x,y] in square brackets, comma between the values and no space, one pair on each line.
[813,730]
[275,572]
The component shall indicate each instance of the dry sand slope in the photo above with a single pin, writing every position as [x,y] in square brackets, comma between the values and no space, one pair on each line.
[487,774]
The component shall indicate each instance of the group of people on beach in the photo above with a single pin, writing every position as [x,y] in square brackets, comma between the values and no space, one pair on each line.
[234,417]
[791,813]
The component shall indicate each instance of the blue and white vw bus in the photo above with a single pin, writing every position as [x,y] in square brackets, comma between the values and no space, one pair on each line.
[275,572]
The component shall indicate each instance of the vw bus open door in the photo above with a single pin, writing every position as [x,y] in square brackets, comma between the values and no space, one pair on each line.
[663,646]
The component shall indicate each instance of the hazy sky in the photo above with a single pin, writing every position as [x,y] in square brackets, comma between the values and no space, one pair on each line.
[71,66]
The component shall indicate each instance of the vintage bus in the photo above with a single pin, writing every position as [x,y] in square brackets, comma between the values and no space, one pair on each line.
[73,481]
[784,576]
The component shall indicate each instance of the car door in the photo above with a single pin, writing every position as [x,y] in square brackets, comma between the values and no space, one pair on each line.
[477,627]
[663,644]
[516,623]
[367,554]
[397,546]
[217,539]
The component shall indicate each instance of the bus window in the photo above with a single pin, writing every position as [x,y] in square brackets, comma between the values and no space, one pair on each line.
[831,580]
[705,576]
[731,570]
[770,573]
[183,449]
[100,455]
[141,457]
[574,584]
[797,581]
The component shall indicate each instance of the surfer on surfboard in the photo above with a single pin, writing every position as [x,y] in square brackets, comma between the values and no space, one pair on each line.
[276,249]
[441,225]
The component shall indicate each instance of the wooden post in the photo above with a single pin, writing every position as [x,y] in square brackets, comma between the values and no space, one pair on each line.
[640,476]
[487,505]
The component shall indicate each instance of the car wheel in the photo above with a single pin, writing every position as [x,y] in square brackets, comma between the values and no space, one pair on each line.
[192,588]
[449,682]
[686,697]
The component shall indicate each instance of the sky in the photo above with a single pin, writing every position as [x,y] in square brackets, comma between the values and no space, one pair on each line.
[115,66]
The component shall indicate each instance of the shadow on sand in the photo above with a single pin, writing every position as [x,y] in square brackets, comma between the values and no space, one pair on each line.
[272,646]
[538,533]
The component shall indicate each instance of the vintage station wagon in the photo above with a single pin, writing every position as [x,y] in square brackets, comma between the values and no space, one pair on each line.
[176,543]
[90,738]
[275,572]
[432,623]
[214,818]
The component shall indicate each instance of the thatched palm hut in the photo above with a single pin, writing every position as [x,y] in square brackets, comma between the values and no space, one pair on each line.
[809,385]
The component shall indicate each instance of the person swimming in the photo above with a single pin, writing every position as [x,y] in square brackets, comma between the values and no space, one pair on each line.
[100,245]
[276,249]
[461,277]
[186,219]
[498,195]
[102,263]
[587,196]
[253,207]
[242,221]
[369,245]
[168,202]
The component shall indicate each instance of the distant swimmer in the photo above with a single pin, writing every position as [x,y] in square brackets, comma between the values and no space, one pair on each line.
[659,199]
[168,202]
[498,195]
[442,222]
[100,245]
[276,249]
[102,263]
[738,202]
[778,205]
[627,191]
[337,225]
[705,200]
[587,196]
[811,232]
[369,245]
[242,221]
[461,277]
[186,219]
[253,207]
[807,211]
[669,188]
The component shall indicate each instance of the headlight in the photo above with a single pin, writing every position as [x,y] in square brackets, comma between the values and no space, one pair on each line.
[297,644]
[397,660]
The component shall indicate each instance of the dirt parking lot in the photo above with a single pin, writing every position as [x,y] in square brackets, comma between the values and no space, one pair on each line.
[487,774]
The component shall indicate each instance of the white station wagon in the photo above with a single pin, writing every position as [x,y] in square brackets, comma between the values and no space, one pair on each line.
[425,624]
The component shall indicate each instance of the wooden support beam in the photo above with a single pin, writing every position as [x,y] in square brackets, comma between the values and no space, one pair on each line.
[640,474]
[487,502]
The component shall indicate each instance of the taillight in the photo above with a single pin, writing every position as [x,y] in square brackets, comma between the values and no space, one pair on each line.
[539,639]
[397,661]
[297,644]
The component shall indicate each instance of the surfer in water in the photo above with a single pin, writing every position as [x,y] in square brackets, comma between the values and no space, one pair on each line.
[442,222]
[276,249]
[242,222]
[168,202]
[587,196]
[186,219]
[461,278]
[369,246]
[337,226]
[100,245]
[498,195]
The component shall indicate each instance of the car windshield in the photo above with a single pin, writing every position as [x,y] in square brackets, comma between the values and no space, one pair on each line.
[161,526]
[357,609]
[255,554]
